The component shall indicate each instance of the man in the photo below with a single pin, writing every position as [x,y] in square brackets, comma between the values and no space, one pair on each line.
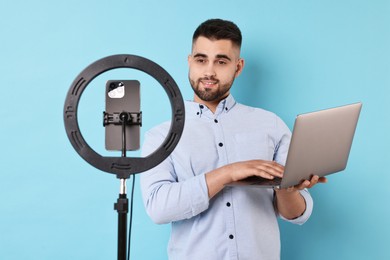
[222,141]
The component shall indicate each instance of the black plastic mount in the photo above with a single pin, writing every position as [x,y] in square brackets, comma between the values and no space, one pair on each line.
[117,118]
[123,167]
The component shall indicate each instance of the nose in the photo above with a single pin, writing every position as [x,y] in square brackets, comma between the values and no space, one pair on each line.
[209,70]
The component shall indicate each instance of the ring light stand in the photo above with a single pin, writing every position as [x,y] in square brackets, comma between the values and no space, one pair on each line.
[123,166]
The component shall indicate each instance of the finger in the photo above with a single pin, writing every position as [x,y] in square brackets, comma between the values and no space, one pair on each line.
[313,181]
[322,180]
[303,185]
[265,174]
[272,164]
[272,168]
[277,166]
[272,172]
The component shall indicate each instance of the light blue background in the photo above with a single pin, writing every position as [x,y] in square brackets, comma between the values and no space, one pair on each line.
[300,56]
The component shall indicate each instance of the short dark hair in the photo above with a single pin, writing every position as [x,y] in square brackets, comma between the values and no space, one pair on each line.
[218,29]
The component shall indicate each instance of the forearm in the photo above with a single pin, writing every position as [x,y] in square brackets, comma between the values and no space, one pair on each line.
[290,204]
[217,179]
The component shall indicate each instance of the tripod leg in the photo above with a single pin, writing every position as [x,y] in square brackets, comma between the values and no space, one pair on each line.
[122,207]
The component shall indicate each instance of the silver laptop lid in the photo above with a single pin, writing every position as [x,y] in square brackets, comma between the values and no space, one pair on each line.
[320,143]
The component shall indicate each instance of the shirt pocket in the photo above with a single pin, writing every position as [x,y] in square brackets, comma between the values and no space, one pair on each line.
[253,146]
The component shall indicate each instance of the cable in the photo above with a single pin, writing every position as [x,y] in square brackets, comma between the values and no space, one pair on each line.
[131,216]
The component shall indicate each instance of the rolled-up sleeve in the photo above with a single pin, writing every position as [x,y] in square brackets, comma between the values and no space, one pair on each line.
[306,214]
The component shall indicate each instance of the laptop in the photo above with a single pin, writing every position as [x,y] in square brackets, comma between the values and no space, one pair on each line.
[320,145]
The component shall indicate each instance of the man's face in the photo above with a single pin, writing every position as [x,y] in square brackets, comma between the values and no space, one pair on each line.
[213,66]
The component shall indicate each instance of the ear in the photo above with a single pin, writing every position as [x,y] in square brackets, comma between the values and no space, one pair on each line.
[240,67]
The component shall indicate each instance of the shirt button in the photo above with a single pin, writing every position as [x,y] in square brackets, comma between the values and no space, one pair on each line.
[231,236]
[215,120]
[201,106]
[197,113]
[228,204]
[220,144]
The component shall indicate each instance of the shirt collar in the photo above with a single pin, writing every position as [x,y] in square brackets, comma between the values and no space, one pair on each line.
[199,109]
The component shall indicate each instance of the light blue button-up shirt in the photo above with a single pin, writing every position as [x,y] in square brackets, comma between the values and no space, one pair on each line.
[239,222]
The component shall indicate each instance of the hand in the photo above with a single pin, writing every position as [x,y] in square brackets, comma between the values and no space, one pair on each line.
[307,184]
[260,168]
[218,178]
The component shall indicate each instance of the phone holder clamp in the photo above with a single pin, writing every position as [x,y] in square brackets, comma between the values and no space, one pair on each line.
[117,118]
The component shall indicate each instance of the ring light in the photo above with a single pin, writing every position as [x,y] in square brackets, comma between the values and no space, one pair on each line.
[123,167]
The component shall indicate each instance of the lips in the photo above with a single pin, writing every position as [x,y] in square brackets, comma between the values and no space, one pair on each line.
[209,83]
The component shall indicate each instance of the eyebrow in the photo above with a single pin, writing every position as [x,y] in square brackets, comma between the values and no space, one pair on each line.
[218,56]
[223,56]
[200,55]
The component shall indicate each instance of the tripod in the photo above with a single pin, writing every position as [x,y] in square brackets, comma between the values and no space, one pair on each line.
[123,166]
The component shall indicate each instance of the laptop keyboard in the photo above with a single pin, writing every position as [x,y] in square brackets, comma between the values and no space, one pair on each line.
[255,180]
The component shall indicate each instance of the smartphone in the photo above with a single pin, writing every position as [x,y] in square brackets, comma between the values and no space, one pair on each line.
[122,96]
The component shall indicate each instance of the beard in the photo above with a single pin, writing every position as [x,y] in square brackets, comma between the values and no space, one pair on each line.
[211,94]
